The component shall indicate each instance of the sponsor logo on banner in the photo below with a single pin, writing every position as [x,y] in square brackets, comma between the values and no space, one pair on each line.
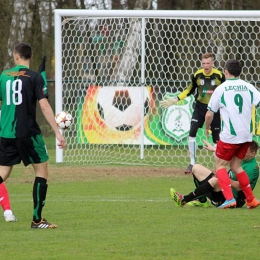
[176,119]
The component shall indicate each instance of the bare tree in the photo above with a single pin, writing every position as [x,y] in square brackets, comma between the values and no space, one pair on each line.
[6,8]
[215,5]
[116,4]
[142,4]
[66,4]
[33,35]
[171,4]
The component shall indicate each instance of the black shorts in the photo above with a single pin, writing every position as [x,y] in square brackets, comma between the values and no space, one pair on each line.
[198,116]
[216,197]
[29,150]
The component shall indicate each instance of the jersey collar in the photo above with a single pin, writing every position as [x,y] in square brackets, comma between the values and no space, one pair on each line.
[22,66]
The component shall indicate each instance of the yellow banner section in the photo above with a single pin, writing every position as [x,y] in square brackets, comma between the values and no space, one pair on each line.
[253,120]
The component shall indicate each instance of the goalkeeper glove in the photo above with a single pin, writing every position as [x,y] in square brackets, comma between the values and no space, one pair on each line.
[168,102]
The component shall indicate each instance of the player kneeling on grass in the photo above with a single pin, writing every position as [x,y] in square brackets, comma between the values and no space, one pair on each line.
[207,183]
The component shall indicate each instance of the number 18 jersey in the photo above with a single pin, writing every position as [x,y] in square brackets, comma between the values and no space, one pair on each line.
[235,99]
[20,89]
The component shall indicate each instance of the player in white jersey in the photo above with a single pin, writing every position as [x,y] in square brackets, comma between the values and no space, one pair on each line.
[234,99]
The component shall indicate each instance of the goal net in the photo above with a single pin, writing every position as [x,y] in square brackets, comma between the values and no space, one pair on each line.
[113,67]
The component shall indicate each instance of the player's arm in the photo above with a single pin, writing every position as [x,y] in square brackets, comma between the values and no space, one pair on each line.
[49,116]
[41,93]
[168,101]
[208,146]
[235,185]
[208,119]
[189,90]
[252,173]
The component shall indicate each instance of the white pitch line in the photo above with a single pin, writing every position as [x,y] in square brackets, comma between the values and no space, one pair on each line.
[88,199]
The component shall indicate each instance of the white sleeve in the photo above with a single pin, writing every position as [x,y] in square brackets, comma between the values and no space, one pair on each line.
[256,95]
[214,102]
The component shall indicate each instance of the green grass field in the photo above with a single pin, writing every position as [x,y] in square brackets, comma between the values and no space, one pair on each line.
[123,213]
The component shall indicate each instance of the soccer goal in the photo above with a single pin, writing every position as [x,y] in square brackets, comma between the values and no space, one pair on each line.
[112,68]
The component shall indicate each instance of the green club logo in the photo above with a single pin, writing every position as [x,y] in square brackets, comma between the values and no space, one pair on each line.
[176,119]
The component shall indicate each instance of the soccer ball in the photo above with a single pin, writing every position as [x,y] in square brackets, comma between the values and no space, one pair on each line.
[120,108]
[178,125]
[63,120]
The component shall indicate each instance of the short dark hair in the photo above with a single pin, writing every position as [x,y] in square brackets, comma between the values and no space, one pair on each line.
[254,146]
[24,50]
[234,67]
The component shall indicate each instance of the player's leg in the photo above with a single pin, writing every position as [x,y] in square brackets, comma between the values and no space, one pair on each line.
[217,198]
[192,145]
[215,128]
[33,151]
[6,204]
[242,177]
[9,156]
[201,190]
[200,174]
[40,187]
[197,122]
[224,154]
[208,187]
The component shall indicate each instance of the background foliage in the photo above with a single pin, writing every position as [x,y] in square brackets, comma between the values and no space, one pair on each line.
[33,21]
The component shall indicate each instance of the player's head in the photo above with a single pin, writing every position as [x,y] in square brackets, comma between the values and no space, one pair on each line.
[233,67]
[207,61]
[252,150]
[22,51]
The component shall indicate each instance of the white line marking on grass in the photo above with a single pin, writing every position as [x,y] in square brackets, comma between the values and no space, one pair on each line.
[88,199]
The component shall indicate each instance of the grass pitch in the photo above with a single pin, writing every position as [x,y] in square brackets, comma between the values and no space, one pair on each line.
[122,213]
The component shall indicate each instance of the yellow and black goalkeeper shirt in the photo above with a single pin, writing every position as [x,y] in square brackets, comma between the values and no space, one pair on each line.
[205,84]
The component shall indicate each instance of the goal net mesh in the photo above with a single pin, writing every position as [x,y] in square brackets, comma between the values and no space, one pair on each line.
[116,70]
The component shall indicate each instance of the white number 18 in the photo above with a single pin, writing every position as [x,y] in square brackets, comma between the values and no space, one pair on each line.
[16,89]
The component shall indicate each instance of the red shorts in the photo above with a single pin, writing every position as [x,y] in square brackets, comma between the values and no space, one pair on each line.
[227,151]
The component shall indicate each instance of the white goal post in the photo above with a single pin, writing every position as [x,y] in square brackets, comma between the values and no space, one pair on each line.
[112,67]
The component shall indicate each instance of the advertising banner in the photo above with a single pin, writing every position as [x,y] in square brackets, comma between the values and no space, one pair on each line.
[113,115]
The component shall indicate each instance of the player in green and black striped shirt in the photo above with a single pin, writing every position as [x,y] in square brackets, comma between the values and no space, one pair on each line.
[207,183]
[21,139]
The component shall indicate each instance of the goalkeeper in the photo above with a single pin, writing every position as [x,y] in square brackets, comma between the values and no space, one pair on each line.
[207,183]
[203,83]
